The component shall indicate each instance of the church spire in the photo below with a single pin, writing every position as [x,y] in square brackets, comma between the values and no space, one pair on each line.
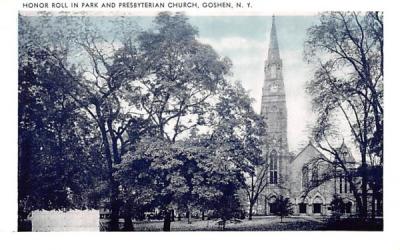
[273,102]
[273,51]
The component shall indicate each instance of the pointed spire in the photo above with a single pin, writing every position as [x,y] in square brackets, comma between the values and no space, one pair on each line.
[273,51]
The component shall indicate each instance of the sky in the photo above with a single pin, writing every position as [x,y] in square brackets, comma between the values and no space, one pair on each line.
[245,40]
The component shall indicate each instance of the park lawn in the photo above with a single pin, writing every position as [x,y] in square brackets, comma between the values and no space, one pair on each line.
[264,223]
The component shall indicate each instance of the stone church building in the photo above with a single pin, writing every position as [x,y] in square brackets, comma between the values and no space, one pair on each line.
[289,175]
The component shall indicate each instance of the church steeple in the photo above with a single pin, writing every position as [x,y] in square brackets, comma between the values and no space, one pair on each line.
[273,105]
[273,51]
[273,108]
[273,62]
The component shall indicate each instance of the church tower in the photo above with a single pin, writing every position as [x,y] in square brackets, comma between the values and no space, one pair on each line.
[273,108]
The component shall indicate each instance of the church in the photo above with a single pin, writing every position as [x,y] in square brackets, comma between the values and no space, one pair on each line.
[291,175]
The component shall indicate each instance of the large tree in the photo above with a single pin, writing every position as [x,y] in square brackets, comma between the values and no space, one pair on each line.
[204,169]
[93,63]
[347,49]
[239,134]
[58,152]
[180,78]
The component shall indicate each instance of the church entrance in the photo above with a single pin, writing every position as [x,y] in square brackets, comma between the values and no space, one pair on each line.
[273,208]
[302,208]
[317,208]
[317,205]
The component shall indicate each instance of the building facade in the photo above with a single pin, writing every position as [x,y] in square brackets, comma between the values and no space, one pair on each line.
[288,175]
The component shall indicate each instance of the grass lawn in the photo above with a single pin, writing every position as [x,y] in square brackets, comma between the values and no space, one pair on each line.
[264,223]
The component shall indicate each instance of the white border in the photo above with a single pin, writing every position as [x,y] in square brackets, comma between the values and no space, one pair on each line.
[387,240]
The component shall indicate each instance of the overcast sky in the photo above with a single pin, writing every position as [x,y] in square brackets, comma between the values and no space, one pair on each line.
[245,39]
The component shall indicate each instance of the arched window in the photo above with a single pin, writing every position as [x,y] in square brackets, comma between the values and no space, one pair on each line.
[273,167]
[314,176]
[317,205]
[273,209]
[305,177]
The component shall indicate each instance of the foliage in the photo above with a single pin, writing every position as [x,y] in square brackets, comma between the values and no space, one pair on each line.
[58,151]
[338,207]
[283,207]
[180,76]
[347,49]
[135,119]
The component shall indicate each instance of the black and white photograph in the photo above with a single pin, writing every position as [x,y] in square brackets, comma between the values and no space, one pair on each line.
[178,122]
[175,122]
[201,124]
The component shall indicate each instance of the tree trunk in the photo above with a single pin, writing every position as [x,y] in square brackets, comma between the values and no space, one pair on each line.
[189,213]
[189,217]
[202,215]
[358,200]
[251,211]
[364,192]
[167,221]
[115,206]
[114,143]
[373,211]
[128,225]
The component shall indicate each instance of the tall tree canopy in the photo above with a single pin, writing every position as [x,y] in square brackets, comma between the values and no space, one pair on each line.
[347,49]
[142,119]
[59,161]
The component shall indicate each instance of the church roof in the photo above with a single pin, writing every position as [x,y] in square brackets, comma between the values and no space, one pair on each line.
[346,154]
[309,146]
[273,51]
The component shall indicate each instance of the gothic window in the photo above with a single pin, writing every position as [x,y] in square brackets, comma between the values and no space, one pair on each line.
[340,184]
[305,177]
[314,176]
[273,167]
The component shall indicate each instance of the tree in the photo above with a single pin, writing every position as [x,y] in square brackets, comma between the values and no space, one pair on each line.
[255,186]
[53,150]
[207,170]
[238,137]
[100,82]
[180,76]
[347,49]
[244,132]
[338,206]
[283,207]
[104,85]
